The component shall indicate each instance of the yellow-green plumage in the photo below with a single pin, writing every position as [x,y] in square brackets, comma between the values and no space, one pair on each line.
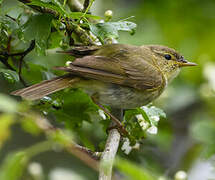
[122,76]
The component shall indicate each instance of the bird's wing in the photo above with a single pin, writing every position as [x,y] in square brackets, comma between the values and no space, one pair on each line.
[138,74]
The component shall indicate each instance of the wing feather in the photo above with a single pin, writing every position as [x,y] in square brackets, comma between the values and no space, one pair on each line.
[134,72]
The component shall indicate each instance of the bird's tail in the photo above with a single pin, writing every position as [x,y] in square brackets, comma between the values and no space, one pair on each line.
[47,87]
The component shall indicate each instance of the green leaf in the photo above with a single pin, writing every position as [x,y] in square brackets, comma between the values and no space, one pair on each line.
[132,125]
[153,114]
[53,5]
[34,72]
[15,163]
[73,107]
[6,120]
[9,75]
[133,171]
[38,27]
[138,127]
[76,108]
[7,104]
[125,26]
[104,31]
[77,15]
[13,166]
[10,7]
[55,39]
[110,29]
[28,124]
[58,7]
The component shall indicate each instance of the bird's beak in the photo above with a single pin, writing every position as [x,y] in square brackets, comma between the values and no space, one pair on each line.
[183,64]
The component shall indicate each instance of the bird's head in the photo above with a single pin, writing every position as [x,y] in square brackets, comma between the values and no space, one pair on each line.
[168,60]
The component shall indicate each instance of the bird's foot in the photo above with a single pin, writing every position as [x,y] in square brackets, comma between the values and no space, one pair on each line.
[118,125]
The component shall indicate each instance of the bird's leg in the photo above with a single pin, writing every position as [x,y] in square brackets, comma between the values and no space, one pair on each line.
[118,124]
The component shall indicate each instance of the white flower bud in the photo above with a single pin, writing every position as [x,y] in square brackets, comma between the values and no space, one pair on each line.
[102,114]
[139,117]
[142,122]
[152,130]
[155,118]
[126,148]
[68,63]
[35,169]
[108,14]
[181,175]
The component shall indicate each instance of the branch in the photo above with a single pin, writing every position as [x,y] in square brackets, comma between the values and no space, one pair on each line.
[80,32]
[40,9]
[83,35]
[86,4]
[75,5]
[85,155]
[6,54]
[111,147]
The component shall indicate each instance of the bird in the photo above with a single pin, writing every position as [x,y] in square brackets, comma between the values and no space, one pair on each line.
[118,75]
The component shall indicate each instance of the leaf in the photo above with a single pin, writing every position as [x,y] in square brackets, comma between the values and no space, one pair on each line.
[135,172]
[38,27]
[11,7]
[15,163]
[71,107]
[34,72]
[28,124]
[77,15]
[13,166]
[51,5]
[104,31]
[110,29]
[125,26]
[58,7]
[147,122]
[153,114]
[132,125]
[6,120]
[9,27]
[76,108]
[55,39]
[7,104]
[9,75]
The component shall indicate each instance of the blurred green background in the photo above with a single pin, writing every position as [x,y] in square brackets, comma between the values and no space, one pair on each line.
[186,140]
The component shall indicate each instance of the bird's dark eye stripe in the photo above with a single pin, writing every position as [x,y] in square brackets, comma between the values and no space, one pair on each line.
[167,56]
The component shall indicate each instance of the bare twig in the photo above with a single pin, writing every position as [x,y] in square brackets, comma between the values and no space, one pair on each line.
[88,160]
[89,3]
[116,120]
[6,54]
[40,9]
[86,4]
[83,35]
[7,65]
[24,53]
[111,147]
[94,155]
[31,47]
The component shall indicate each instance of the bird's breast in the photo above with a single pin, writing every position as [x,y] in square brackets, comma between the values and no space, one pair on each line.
[118,96]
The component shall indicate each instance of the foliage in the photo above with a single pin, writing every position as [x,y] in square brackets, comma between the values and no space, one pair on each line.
[133,171]
[139,121]
[110,29]
[10,75]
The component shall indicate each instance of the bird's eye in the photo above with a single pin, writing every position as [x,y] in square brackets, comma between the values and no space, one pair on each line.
[167,56]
